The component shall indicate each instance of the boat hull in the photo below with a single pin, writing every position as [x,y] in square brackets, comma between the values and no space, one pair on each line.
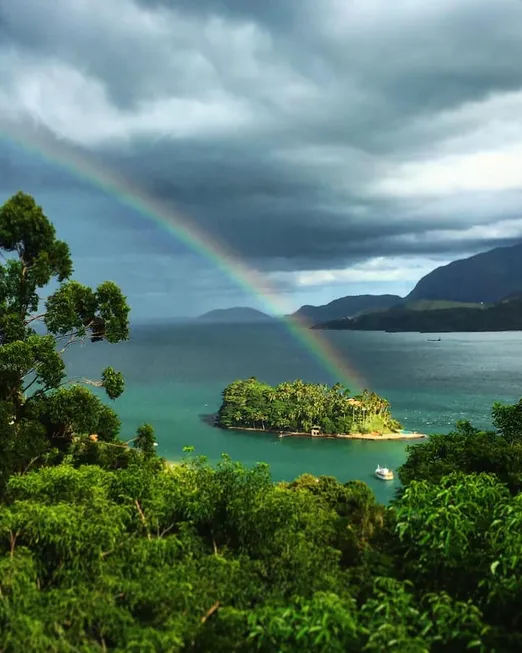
[384,477]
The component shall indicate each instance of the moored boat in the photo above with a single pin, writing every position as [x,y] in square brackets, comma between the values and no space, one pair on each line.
[384,473]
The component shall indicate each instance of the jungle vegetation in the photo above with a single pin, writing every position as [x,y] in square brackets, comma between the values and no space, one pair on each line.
[106,547]
[298,407]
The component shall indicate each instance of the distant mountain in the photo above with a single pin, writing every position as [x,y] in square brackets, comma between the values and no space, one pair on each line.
[346,307]
[238,314]
[502,316]
[486,277]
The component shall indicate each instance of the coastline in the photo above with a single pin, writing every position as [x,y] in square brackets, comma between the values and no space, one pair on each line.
[335,436]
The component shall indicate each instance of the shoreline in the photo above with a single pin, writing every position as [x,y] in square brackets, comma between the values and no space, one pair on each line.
[334,436]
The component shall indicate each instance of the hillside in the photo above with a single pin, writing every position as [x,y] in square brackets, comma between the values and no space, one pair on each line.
[238,314]
[503,316]
[436,305]
[487,277]
[346,307]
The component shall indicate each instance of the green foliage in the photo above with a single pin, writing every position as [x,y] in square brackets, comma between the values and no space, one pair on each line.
[508,421]
[112,382]
[25,229]
[145,440]
[468,450]
[299,407]
[42,416]
[323,624]
[443,526]
[199,558]
[196,558]
[105,547]
[75,308]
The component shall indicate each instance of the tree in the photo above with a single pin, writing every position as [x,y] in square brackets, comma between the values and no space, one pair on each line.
[508,421]
[207,559]
[298,406]
[41,412]
[145,440]
[468,450]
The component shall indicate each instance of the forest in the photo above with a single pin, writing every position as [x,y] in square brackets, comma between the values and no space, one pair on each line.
[298,407]
[104,546]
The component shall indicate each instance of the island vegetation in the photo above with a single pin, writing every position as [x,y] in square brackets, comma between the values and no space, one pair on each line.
[304,408]
[106,547]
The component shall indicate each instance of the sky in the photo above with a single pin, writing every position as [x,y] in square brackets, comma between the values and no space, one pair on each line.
[336,147]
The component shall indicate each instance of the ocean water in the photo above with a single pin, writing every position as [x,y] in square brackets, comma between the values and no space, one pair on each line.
[175,375]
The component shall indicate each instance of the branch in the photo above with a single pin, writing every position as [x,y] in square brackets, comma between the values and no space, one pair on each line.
[96,384]
[70,334]
[166,530]
[42,391]
[142,516]
[210,612]
[54,574]
[105,444]
[30,384]
[33,460]
[33,369]
[34,318]
[12,545]
[73,338]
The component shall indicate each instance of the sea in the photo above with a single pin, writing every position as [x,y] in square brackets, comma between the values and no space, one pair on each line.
[175,374]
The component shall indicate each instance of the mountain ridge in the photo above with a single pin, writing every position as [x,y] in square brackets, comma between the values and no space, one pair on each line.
[236,314]
[505,315]
[347,306]
[485,277]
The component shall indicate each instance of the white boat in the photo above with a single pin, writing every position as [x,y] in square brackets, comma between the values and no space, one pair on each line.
[384,473]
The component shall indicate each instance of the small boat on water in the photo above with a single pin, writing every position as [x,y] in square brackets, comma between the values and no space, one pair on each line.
[384,473]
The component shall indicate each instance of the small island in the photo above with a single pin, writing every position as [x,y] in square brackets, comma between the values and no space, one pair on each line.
[236,315]
[308,409]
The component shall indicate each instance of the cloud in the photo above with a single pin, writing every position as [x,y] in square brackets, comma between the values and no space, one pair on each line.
[494,170]
[330,145]
[385,270]
[57,96]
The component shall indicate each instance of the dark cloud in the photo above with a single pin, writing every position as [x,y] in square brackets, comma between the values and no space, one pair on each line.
[30,172]
[271,12]
[281,217]
[274,126]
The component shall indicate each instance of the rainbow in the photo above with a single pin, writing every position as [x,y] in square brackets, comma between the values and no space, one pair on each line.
[109,181]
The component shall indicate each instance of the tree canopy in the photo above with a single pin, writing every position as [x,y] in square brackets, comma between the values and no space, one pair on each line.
[104,547]
[299,407]
[43,414]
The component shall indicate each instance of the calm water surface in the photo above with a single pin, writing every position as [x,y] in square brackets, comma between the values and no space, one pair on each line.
[175,375]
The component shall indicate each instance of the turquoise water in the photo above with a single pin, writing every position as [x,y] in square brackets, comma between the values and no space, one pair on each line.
[175,375]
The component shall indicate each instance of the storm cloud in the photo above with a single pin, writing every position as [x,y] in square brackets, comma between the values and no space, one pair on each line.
[336,147]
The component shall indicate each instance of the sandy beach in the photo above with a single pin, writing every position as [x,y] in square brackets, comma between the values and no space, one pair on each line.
[384,436]
[341,436]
